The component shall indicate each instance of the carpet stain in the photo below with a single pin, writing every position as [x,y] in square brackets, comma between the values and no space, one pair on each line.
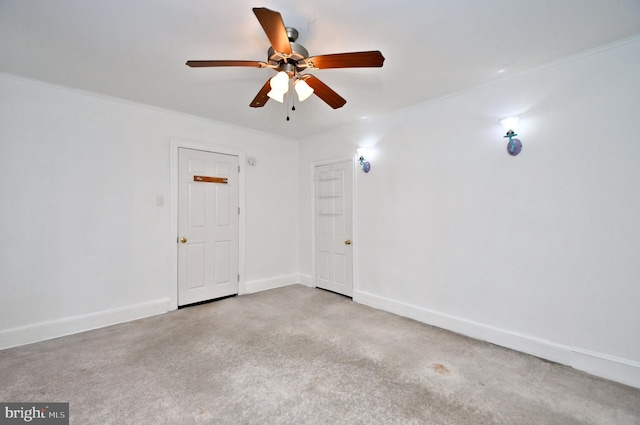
[440,368]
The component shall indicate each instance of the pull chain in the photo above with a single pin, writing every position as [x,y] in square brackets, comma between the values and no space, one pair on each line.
[286,105]
[293,106]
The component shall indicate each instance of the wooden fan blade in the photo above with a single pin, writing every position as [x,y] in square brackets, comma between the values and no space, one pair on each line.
[261,98]
[253,64]
[325,93]
[273,26]
[372,59]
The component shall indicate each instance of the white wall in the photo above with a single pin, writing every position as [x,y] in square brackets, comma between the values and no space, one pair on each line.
[83,243]
[539,252]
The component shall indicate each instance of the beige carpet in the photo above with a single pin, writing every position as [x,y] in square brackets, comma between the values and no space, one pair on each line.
[298,355]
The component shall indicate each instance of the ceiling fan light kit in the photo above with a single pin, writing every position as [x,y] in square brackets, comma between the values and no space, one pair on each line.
[280,82]
[290,59]
[276,95]
[279,86]
[303,89]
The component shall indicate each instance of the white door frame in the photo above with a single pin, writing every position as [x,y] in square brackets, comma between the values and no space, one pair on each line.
[175,144]
[354,235]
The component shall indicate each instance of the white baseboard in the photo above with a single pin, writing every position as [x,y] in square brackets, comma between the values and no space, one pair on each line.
[598,364]
[271,283]
[605,366]
[70,325]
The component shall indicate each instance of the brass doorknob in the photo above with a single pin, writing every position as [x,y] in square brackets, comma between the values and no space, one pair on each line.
[183,240]
[347,242]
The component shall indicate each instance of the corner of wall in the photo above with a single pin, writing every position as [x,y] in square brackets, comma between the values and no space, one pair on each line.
[270,283]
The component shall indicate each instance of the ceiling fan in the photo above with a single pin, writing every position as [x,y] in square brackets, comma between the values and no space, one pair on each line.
[290,59]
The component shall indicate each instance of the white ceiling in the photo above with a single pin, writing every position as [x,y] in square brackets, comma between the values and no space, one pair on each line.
[137,49]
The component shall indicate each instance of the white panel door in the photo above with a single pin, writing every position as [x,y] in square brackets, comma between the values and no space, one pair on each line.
[208,232]
[333,222]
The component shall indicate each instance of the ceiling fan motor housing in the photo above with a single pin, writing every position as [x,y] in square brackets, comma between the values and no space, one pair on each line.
[298,52]
[292,34]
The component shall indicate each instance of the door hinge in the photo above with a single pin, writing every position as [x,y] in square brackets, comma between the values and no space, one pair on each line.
[238,210]
[238,277]
[238,168]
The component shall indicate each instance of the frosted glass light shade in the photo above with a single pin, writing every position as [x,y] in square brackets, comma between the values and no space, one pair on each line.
[303,89]
[280,82]
[510,123]
[276,95]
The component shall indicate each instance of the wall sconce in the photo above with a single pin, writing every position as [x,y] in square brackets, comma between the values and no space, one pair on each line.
[515,145]
[366,165]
